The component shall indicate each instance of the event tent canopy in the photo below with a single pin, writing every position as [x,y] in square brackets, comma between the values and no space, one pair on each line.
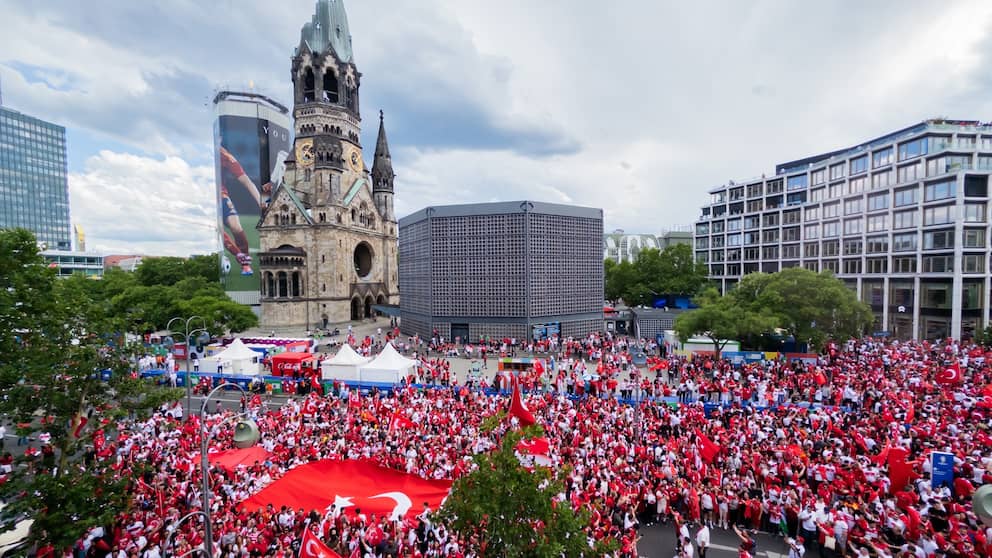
[235,359]
[388,367]
[344,365]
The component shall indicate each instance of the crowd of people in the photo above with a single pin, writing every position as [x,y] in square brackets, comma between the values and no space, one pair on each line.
[833,456]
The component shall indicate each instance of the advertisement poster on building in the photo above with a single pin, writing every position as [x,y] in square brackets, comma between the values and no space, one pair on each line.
[252,139]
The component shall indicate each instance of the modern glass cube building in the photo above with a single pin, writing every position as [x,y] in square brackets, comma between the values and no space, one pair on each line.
[522,270]
[902,219]
[34,189]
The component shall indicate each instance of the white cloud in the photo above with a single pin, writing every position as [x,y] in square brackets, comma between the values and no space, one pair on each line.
[646,105]
[131,204]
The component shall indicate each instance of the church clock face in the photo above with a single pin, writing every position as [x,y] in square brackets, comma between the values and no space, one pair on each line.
[304,152]
[355,160]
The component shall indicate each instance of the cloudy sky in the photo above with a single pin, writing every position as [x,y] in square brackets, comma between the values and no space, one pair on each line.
[638,107]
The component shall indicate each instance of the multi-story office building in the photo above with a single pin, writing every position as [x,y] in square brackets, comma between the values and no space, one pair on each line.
[502,270]
[620,246]
[34,190]
[902,219]
[69,262]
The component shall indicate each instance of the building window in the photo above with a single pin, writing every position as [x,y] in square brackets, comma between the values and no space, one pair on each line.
[837,171]
[853,226]
[881,179]
[878,223]
[852,247]
[904,265]
[797,198]
[734,225]
[831,248]
[813,266]
[832,266]
[852,206]
[831,210]
[819,177]
[877,245]
[752,222]
[769,236]
[906,196]
[790,234]
[769,253]
[790,251]
[751,254]
[881,158]
[811,231]
[702,242]
[831,229]
[702,228]
[904,219]
[852,267]
[877,265]
[836,190]
[791,217]
[717,227]
[755,205]
[859,164]
[752,237]
[754,190]
[940,190]
[703,257]
[817,194]
[811,249]
[913,148]
[812,213]
[910,173]
[938,264]
[771,220]
[938,240]
[905,242]
[974,213]
[966,142]
[734,239]
[974,238]
[716,242]
[734,255]
[856,185]
[795,182]
[938,215]
[774,186]
[878,201]
[973,263]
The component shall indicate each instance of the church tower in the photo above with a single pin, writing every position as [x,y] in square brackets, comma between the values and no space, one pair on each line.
[329,235]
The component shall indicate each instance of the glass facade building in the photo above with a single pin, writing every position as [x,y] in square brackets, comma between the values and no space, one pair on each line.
[34,189]
[902,219]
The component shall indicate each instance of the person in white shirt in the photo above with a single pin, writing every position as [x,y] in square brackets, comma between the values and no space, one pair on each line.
[796,548]
[703,540]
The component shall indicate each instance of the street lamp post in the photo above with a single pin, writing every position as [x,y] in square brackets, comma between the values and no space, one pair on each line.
[187,335]
[208,531]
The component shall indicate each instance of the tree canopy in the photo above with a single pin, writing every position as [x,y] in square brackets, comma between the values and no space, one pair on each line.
[505,509]
[813,307]
[673,271]
[57,343]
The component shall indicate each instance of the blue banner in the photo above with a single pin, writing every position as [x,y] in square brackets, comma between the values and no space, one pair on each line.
[942,470]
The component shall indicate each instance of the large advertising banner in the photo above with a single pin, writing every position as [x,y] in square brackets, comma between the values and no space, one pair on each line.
[252,141]
[942,470]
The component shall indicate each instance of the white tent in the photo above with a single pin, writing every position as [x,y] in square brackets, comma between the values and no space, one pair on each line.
[388,367]
[344,365]
[235,359]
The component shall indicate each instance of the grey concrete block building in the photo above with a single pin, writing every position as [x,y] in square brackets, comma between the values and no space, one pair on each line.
[520,269]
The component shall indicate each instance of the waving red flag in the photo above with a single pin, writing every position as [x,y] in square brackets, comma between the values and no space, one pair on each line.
[708,450]
[517,408]
[312,547]
[950,375]
[355,483]
[400,421]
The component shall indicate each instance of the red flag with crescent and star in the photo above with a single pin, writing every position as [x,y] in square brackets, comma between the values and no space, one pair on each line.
[950,375]
[312,547]
[355,483]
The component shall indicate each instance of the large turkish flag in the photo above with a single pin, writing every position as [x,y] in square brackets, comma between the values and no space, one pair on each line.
[351,484]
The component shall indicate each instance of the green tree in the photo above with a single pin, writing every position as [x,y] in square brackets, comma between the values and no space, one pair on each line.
[58,338]
[620,278]
[161,271]
[673,271]
[504,509]
[813,307]
[679,272]
[722,319]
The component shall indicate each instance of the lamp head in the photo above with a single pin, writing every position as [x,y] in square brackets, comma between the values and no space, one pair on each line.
[245,434]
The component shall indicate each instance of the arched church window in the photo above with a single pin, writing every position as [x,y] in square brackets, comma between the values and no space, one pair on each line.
[330,86]
[308,85]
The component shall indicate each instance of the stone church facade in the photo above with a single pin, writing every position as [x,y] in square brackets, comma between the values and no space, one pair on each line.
[328,237]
